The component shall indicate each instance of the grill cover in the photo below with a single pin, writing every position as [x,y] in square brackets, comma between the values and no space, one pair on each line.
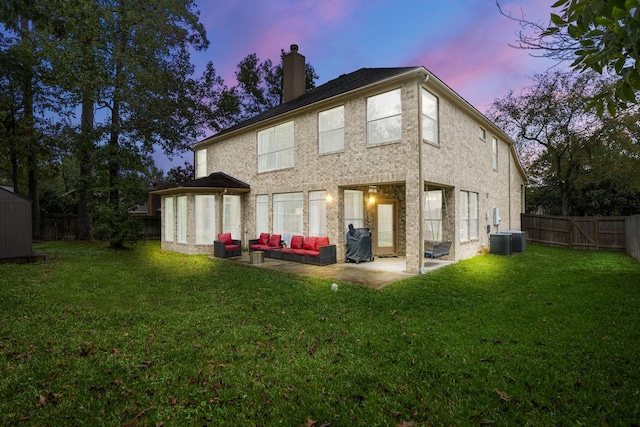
[359,244]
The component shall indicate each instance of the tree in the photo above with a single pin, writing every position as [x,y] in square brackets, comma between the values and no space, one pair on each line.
[571,153]
[260,83]
[179,174]
[603,36]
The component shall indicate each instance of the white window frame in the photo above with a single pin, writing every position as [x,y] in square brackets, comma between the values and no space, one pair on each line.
[331,130]
[201,163]
[262,214]
[384,117]
[318,213]
[474,223]
[276,147]
[288,215]
[483,134]
[494,152]
[181,219]
[430,117]
[353,209]
[232,215]
[468,216]
[433,215]
[205,219]
[169,219]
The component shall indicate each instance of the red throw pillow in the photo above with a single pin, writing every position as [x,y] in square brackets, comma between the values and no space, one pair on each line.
[322,241]
[296,242]
[225,238]
[275,240]
[264,239]
[310,243]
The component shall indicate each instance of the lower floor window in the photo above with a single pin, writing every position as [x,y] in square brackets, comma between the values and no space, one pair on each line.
[181,219]
[433,216]
[232,216]
[468,215]
[353,209]
[205,219]
[169,220]
[262,214]
[288,215]
[317,213]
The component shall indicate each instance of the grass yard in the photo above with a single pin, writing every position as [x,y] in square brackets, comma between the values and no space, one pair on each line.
[152,338]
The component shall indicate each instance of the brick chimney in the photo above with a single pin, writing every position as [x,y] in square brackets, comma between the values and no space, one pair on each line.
[293,75]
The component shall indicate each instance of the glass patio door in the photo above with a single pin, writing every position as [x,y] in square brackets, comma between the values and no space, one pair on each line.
[385,231]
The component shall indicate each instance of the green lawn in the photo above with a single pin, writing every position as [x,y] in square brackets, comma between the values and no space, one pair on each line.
[146,337]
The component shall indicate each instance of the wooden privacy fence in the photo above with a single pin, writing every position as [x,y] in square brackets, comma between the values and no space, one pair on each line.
[576,232]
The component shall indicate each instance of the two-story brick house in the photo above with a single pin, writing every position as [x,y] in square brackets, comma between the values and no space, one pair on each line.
[391,149]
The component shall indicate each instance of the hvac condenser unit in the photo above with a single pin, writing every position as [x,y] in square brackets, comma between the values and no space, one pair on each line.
[518,240]
[500,244]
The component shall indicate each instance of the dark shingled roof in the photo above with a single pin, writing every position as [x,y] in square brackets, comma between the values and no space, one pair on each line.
[345,83]
[216,180]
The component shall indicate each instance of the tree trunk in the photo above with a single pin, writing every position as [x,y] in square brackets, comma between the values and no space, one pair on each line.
[32,152]
[84,153]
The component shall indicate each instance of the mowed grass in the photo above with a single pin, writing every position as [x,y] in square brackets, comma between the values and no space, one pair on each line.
[152,338]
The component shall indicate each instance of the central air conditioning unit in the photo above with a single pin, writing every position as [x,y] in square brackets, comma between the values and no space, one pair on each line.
[500,244]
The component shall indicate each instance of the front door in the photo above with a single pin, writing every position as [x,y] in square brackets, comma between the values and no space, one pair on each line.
[385,231]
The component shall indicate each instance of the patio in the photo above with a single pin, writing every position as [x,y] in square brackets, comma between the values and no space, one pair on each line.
[376,274]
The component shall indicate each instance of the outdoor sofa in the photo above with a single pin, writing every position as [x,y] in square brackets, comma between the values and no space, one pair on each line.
[306,250]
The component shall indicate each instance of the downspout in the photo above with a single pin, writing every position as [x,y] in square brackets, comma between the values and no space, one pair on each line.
[420,180]
[509,187]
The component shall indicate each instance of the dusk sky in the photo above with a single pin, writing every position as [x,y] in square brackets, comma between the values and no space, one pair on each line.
[465,43]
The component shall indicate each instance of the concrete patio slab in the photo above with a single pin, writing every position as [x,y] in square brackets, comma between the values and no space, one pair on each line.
[375,274]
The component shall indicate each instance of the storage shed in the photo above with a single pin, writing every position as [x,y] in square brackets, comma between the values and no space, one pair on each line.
[15,228]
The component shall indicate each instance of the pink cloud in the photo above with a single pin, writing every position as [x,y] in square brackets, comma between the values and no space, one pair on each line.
[478,62]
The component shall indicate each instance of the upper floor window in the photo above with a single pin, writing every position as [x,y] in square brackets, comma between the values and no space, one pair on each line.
[430,117]
[494,152]
[276,148]
[483,134]
[201,163]
[331,130]
[384,117]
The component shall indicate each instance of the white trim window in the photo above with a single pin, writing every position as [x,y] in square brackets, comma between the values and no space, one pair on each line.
[232,216]
[353,209]
[331,130]
[169,220]
[262,214]
[205,219]
[317,213]
[288,210]
[430,117]
[468,216]
[483,134]
[433,215]
[181,219]
[201,163]
[473,216]
[384,117]
[276,147]
[494,152]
